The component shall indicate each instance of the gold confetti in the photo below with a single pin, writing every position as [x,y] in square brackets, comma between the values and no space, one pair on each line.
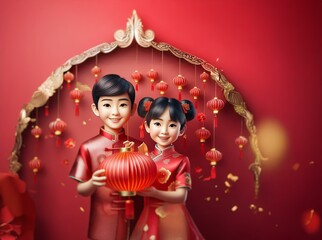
[62,184]
[260,209]
[311,162]
[232,177]
[152,237]
[160,212]
[234,208]
[217,199]
[252,207]
[208,199]
[227,191]
[81,209]
[227,184]
[84,123]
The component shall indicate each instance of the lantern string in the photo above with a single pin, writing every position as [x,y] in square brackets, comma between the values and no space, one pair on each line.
[195,75]
[58,107]
[96,60]
[152,58]
[180,66]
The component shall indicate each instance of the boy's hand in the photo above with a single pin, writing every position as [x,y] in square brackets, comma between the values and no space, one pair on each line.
[128,144]
[98,178]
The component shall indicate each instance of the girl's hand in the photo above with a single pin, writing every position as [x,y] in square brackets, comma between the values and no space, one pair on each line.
[99,178]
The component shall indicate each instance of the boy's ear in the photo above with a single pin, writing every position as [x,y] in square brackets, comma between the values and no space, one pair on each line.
[133,109]
[147,128]
[94,109]
[183,130]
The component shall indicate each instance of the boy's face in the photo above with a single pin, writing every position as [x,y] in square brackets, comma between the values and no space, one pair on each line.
[114,111]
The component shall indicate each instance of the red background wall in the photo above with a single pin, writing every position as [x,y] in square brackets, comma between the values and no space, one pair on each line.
[270,51]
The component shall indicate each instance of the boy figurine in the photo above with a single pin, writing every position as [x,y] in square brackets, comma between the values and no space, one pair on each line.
[113,98]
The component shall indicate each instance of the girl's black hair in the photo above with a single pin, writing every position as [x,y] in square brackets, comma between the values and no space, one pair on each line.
[179,111]
[112,85]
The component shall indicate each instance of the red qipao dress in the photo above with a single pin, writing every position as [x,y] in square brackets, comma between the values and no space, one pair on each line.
[161,220]
[107,215]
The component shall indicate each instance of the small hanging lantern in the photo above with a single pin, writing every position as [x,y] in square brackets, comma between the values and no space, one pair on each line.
[36,132]
[136,76]
[195,93]
[128,172]
[180,82]
[96,71]
[215,105]
[68,77]
[162,87]
[241,141]
[213,156]
[203,134]
[152,75]
[204,78]
[35,164]
[76,95]
[57,127]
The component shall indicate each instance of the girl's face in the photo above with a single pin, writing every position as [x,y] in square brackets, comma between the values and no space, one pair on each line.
[114,111]
[163,130]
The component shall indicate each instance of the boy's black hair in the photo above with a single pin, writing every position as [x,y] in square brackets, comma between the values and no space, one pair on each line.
[112,85]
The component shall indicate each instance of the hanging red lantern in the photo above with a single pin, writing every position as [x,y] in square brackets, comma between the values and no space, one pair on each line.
[162,87]
[68,77]
[76,95]
[35,164]
[195,93]
[204,78]
[241,141]
[96,71]
[152,75]
[215,105]
[36,132]
[203,134]
[136,76]
[128,172]
[180,82]
[57,127]
[213,156]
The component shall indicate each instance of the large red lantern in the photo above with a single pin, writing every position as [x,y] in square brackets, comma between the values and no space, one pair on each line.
[68,77]
[57,127]
[35,164]
[215,105]
[36,132]
[136,76]
[128,172]
[152,75]
[180,81]
[213,156]
[241,141]
[162,87]
[76,95]
[203,134]
[195,93]
[96,71]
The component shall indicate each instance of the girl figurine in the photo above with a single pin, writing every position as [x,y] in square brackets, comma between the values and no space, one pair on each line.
[165,215]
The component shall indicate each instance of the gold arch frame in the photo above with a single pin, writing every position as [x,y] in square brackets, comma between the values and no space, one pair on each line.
[123,39]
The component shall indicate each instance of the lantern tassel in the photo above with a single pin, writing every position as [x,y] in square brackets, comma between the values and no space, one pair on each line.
[196,104]
[240,153]
[137,87]
[180,96]
[76,109]
[202,147]
[58,141]
[129,209]
[141,131]
[215,121]
[213,173]
[152,87]
[68,86]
